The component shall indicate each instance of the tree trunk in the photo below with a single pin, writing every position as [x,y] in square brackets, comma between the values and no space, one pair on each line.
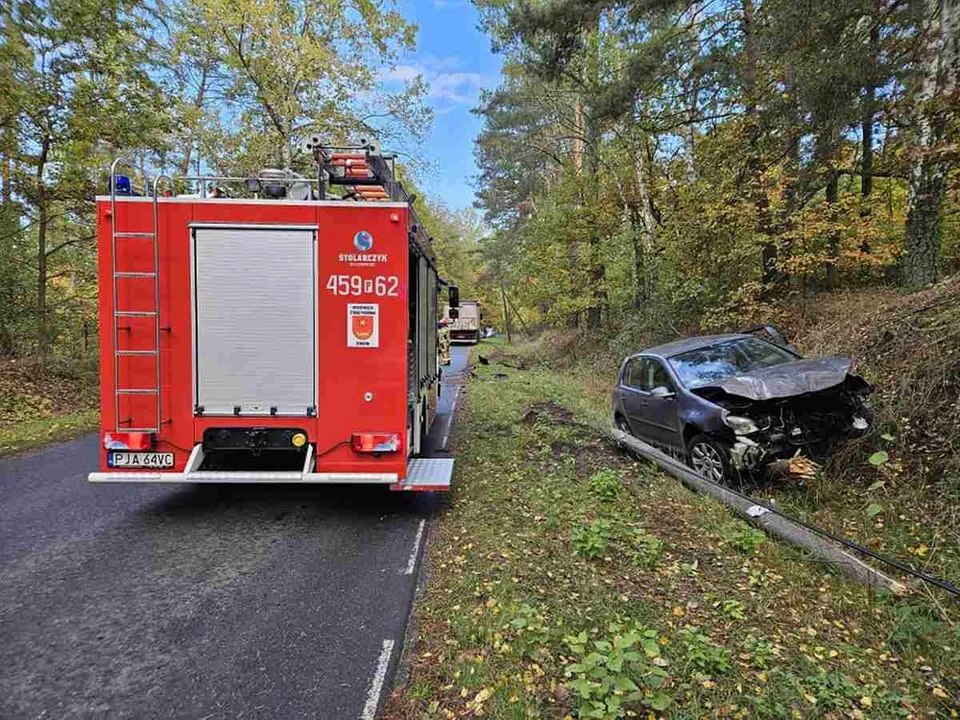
[286,156]
[866,128]
[597,273]
[928,173]
[506,313]
[693,96]
[198,104]
[644,231]
[866,167]
[42,222]
[576,150]
[598,292]
[754,167]
[43,216]
[833,241]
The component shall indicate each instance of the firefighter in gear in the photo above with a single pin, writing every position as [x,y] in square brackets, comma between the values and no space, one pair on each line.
[443,339]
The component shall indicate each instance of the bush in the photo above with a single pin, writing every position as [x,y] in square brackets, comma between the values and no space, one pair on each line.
[645,548]
[623,669]
[591,540]
[744,538]
[605,485]
[702,653]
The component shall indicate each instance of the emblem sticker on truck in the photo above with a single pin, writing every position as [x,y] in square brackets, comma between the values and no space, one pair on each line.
[363,325]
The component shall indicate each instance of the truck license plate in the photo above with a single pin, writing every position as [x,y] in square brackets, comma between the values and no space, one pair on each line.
[140,460]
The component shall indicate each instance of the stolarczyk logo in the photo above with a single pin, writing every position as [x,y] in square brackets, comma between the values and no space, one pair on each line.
[363,241]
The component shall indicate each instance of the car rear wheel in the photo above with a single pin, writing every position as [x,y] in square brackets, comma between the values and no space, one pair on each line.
[710,458]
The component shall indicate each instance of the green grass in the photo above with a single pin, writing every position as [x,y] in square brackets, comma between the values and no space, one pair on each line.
[45,402]
[29,434]
[567,580]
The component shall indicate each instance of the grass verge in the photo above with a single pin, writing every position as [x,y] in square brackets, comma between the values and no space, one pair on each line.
[567,580]
[45,403]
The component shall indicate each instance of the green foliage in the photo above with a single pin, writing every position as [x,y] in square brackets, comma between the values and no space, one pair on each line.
[606,485]
[230,86]
[732,609]
[590,540]
[743,537]
[619,189]
[645,548]
[702,653]
[619,670]
[762,652]
[915,625]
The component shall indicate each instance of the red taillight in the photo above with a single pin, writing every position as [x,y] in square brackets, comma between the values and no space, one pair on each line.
[376,442]
[127,441]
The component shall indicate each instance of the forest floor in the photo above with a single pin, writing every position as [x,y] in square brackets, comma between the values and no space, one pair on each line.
[45,403]
[567,579]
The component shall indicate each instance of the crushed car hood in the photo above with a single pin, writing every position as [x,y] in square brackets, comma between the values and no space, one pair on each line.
[783,381]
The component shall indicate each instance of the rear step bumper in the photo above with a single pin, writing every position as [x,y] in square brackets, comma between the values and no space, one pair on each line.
[423,474]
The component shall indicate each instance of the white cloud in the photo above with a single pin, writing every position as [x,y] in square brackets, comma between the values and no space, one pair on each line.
[404,73]
[459,87]
[448,85]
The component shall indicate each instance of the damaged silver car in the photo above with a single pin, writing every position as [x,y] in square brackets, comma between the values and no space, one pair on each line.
[733,404]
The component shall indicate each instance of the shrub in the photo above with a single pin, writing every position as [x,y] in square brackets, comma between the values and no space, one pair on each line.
[645,548]
[702,653]
[591,540]
[615,672]
[744,538]
[605,485]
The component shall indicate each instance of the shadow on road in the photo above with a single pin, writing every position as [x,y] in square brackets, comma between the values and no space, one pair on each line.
[357,501]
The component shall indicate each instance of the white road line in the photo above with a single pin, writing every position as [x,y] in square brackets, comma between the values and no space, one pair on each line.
[453,412]
[376,687]
[412,561]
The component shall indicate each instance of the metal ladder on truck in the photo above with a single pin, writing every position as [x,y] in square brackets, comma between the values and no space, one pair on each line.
[120,424]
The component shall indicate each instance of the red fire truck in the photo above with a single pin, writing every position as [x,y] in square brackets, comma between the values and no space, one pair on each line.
[268,329]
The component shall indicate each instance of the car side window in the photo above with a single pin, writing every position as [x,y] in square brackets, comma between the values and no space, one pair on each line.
[658,377]
[632,375]
[638,374]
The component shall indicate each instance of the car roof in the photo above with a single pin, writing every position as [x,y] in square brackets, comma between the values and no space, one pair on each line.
[691,343]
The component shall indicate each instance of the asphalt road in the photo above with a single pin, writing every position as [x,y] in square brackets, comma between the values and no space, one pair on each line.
[202,601]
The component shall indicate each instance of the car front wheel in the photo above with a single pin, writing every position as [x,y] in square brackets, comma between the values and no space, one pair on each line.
[710,458]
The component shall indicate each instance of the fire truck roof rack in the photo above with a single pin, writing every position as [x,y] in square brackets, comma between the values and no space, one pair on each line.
[367,174]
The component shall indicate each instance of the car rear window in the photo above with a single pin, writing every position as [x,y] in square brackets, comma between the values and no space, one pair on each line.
[732,357]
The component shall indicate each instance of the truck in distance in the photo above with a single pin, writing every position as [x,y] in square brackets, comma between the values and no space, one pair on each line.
[465,322]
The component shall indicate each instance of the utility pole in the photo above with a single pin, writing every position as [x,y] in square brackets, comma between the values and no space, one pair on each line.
[518,315]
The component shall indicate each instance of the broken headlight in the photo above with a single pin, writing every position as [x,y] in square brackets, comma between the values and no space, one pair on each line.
[739,424]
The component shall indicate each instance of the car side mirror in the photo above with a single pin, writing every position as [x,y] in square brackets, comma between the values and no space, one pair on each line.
[453,313]
[454,296]
[662,392]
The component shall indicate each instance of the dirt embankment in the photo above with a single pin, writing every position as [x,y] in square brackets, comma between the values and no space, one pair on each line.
[44,402]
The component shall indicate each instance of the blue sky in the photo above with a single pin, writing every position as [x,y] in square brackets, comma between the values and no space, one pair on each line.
[455,59]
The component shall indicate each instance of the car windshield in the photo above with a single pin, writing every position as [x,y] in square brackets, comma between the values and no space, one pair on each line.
[732,357]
